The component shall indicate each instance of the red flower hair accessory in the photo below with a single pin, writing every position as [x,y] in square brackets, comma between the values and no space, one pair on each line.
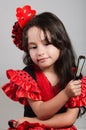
[23,15]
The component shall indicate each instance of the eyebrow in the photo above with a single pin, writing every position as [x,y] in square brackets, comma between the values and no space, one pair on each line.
[32,43]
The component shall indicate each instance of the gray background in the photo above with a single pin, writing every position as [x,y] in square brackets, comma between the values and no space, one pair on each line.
[73,15]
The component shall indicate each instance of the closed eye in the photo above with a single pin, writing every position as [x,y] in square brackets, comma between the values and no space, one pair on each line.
[47,44]
[32,47]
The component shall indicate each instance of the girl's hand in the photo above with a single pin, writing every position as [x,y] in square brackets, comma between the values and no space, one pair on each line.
[73,88]
[19,121]
[22,119]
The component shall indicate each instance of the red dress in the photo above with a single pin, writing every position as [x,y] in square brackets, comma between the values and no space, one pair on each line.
[23,86]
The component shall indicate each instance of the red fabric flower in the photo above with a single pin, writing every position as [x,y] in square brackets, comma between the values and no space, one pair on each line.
[17,35]
[24,14]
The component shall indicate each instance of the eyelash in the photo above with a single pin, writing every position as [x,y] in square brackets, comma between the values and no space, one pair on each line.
[47,44]
[33,47]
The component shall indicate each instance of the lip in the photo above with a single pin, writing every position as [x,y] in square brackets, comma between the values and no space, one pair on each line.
[42,59]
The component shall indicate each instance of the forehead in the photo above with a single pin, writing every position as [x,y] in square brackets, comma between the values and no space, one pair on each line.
[37,34]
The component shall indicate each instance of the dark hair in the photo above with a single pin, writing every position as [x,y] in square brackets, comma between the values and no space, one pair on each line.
[59,38]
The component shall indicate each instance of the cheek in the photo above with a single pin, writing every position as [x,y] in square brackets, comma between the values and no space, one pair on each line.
[32,54]
[57,53]
[54,51]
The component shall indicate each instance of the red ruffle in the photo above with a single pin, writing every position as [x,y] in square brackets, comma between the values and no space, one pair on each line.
[78,101]
[36,126]
[21,87]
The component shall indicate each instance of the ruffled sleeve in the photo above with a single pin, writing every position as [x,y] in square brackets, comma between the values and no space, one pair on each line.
[78,101]
[21,87]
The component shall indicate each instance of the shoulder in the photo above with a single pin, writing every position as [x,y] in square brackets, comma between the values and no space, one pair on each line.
[30,70]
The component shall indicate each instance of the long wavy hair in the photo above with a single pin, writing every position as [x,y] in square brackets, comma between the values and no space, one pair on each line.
[59,38]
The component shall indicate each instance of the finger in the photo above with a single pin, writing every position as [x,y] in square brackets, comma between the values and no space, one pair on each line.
[76,82]
[78,92]
[15,124]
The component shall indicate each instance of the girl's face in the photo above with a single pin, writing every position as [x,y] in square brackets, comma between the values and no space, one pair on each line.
[41,52]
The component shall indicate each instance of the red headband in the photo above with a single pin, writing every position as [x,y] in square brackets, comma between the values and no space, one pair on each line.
[23,15]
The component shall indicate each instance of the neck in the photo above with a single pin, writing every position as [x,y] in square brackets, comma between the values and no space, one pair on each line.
[48,70]
[52,76]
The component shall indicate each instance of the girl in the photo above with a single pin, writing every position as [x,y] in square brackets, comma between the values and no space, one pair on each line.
[46,86]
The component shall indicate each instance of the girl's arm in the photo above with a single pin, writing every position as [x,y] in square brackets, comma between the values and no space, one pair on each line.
[45,110]
[65,119]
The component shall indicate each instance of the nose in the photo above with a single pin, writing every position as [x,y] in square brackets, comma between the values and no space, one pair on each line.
[41,51]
